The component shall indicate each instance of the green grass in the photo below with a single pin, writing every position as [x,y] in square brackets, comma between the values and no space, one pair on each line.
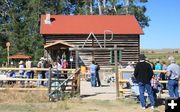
[37,101]
[163,57]
[18,101]
[76,106]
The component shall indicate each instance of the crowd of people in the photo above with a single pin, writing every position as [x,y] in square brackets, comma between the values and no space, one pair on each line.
[41,74]
[149,80]
[57,65]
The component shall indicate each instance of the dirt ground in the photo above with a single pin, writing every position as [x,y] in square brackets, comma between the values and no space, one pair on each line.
[106,92]
[106,96]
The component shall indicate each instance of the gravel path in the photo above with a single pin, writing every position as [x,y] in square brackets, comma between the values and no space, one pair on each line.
[105,92]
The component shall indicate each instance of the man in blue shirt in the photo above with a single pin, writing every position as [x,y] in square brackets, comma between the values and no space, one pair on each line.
[173,75]
[93,68]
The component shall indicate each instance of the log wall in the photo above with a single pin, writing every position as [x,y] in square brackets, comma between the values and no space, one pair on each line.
[130,44]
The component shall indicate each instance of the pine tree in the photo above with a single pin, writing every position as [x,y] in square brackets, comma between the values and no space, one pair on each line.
[20,19]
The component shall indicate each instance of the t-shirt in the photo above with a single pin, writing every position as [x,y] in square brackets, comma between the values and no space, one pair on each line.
[174,71]
[65,64]
[41,64]
[129,67]
[28,65]
[21,66]
[93,68]
[158,66]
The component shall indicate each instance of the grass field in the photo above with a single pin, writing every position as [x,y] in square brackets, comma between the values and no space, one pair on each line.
[163,57]
[13,101]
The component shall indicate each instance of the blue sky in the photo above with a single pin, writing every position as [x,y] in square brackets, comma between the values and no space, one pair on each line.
[164,29]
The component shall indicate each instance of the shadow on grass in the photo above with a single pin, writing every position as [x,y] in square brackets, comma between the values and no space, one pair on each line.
[105,85]
[90,95]
[95,94]
[160,101]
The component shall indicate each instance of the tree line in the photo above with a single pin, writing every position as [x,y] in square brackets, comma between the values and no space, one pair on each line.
[20,19]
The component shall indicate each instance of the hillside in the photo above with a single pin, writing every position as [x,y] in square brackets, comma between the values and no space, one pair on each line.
[165,50]
[162,54]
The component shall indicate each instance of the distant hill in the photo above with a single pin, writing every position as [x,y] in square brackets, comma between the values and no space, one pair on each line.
[165,50]
[162,54]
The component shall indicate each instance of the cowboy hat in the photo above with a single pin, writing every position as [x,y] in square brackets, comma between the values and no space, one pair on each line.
[172,61]
[42,58]
[142,57]
[21,62]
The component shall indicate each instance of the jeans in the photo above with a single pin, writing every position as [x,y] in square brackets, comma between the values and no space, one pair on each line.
[21,74]
[98,79]
[93,79]
[173,88]
[142,88]
[46,76]
[39,77]
[28,75]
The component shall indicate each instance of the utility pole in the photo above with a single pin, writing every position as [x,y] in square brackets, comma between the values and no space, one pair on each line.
[8,45]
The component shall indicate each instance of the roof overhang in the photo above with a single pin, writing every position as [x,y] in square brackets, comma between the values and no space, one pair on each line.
[59,44]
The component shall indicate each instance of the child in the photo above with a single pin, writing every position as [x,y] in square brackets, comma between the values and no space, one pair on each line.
[157,87]
[134,86]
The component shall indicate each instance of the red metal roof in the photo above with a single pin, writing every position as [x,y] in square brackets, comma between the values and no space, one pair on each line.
[85,24]
[19,56]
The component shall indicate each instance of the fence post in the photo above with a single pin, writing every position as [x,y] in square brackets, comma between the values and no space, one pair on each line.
[116,66]
[49,82]
[78,82]
[120,83]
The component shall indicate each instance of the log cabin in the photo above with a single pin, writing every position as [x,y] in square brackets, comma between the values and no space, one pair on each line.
[62,32]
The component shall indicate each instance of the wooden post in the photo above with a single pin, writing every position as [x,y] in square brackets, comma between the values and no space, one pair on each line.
[78,82]
[7,45]
[77,58]
[120,83]
[49,82]
[116,69]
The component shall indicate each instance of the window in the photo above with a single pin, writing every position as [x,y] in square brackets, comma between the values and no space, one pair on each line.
[112,57]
